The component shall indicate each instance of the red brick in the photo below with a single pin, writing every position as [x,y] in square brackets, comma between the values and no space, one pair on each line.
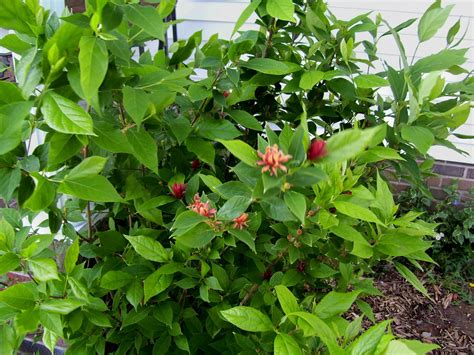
[434,181]
[439,194]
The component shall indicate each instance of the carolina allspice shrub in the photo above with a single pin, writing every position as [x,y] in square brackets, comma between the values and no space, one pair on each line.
[227,197]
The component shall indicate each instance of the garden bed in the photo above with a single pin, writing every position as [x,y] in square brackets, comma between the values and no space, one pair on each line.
[445,320]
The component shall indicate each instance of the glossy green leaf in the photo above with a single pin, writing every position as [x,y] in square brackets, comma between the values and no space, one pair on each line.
[64,115]
[71,257]
[43,195]
[311,78]
[281,9]
[20,296]
[61,306]
[288,301]
[203,149]
[286,345]
[8,262]
[368,341]
[144,148]
[147,18]
[248,319]
[245,119]
[335,303]
[136,103]
[149,248]
[248,11]
[296,203]
[411,278]
[155,284]
[369,81]
[93,64]
[113,280]
[431,21]
[43,269]
[93,188]
[271,66]
[421,137]
[233,208]
[355,211]
[241,150]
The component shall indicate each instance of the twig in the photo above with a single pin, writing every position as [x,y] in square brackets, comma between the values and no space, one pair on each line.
[268,43]
[88,208]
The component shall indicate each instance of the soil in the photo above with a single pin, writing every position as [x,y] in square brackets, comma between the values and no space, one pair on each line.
[444,320]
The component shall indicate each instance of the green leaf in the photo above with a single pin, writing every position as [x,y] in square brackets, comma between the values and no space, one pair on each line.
[149,248]
[61,306]
[421,137]
[88,167]
[378,153]
[156,283]
[384,199]
[147,18]
[271,66]
[248,319]
[286,345]
[64,115]
[241,150]
[335,303]
[93,188]
[196,237]
[411,278]
[7,234]
[399,244]
[50,339]
[62,147]
[233,188]
[314,326]
[8,262]
[72,254]
[281,9]
[10,133]
[93,64]
[135,293]
[288,301]
[20,296]
[431,21]
[355,211]
[453,32]
[244,16]
[442,60]
[43,195]
[144,148]
[245,119]
[367,342]
[276,208]
[28,71]
[409,347]
[136,103]
[43,269]
[186,221]
[113,280]
[233,208]
[17,15]
[111,138]
[98,319]
[204,150]
[9,93]
[213,129]
[51,321]
[349,143]
[310,78]
[181,127]
[369,81]
[362,247]
[296,202]
[245,237]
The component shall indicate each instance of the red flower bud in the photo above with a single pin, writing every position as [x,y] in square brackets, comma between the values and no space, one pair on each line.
[178,190]
[317,149]
[301,266]
[195,164]
[267,275]
[226,94]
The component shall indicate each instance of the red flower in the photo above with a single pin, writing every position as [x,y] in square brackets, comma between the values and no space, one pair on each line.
[203,208]
[267,275]
[178,190]
[195,164]
[317,149]
[301,266]
[273,159]
[226,94]
[241,221]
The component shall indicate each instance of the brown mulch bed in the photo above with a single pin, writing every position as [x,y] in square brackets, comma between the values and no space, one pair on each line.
[444,320]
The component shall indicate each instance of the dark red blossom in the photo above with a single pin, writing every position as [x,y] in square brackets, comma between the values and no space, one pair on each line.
[317,149]
[195,164]
[301,266]
[226,94]
[267,275]
[178,190]
[203,208]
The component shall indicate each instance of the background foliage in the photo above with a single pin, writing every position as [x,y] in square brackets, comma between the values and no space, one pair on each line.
[215,221]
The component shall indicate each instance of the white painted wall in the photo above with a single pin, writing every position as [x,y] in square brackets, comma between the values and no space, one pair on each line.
[219,16]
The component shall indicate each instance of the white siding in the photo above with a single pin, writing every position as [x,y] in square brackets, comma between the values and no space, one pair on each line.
[219,16]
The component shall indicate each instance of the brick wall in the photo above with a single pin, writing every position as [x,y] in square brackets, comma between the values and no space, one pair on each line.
[447,173]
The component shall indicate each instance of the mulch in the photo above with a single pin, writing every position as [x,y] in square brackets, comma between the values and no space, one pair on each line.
[445,320]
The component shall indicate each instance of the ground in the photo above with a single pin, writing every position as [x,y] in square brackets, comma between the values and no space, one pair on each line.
[444,320]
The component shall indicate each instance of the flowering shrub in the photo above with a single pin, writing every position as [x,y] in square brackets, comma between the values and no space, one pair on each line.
[238,211]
